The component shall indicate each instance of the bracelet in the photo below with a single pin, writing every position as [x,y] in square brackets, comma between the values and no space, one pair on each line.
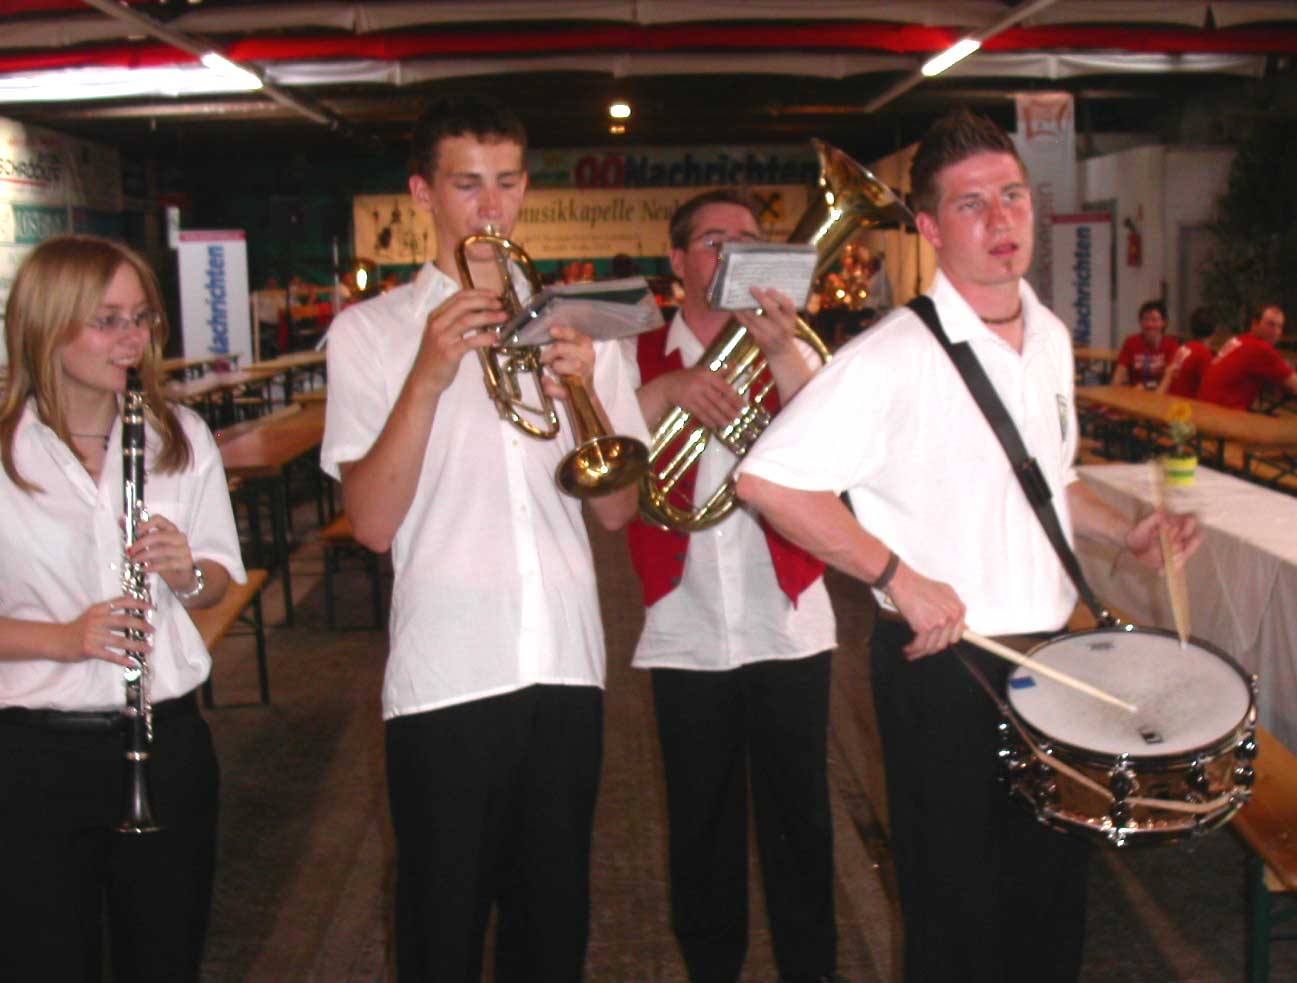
[889,571]
[189,595]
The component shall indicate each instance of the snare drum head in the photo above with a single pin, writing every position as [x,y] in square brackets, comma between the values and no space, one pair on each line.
[1187,699]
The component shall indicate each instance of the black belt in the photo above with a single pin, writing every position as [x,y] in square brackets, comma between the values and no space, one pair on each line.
[94,720]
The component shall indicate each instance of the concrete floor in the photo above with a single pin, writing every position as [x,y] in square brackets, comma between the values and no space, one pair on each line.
[304,882]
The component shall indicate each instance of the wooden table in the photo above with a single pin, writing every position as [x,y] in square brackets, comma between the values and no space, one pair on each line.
[260,452]
[191,367]
[1101,361]
[213,391]
[289,365]
[1253,432]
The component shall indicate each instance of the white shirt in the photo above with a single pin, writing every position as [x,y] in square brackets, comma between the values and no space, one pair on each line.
[495,586]
[728,609]
[62,550]
[890,421]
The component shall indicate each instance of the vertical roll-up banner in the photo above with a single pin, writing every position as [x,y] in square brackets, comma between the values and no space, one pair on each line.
[1046,142]
[214,308]
[1082,248]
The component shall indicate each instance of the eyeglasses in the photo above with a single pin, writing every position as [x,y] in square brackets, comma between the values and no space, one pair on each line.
[115,323]
[714,240]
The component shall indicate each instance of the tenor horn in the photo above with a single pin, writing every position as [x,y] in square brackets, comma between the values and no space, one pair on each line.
[847,200]
[601,463]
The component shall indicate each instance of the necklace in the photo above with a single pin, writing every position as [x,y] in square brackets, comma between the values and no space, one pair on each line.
[1004,320]
[95,436]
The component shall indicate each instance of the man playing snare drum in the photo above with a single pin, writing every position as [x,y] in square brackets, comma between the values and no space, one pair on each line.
[948,540]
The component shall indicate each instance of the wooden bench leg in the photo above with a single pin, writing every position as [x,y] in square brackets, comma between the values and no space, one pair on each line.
[330,568]
[1258,922]
[375,587]
[259,632]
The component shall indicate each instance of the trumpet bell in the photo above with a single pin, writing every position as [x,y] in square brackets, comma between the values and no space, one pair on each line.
[602,465]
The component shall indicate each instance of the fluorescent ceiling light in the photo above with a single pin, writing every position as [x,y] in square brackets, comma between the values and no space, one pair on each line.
[955,53]
[222,65]
[78,84]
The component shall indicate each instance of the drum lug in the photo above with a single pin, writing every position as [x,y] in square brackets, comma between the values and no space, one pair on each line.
[1122,782]
[1247,747]
[1196,777]
[1044,780]
[1244,776]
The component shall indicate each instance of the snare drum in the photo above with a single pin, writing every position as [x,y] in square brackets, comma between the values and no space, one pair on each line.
[1182,764]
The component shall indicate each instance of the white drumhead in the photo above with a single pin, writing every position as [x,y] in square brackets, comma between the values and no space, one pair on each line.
[1187,699]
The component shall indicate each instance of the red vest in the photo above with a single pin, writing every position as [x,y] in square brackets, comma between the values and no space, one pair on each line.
[659,554]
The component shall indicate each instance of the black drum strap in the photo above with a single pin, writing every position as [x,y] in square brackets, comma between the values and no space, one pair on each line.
[1025,468]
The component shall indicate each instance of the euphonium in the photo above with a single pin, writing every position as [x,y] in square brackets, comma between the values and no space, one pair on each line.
[601,463]
[137,810]
[847,200]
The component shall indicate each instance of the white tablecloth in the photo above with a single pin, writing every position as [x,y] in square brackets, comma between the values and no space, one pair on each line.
[1242,581]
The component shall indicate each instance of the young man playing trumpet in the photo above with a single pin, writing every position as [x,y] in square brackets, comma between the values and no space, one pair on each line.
[946,537]
[492,696]
[737,637]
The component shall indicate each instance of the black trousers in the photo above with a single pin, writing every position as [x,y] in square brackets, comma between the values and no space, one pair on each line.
[767,723]
[987,892]
[66,868]
[493,803]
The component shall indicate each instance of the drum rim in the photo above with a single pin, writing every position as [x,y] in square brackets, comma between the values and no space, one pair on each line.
[1103,758]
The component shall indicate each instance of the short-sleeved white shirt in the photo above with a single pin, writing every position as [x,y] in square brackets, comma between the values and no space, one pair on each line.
[728,609]
[63,549]
[495,587]
[891,422]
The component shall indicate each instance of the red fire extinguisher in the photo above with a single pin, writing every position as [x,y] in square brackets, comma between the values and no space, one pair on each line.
[1134,244]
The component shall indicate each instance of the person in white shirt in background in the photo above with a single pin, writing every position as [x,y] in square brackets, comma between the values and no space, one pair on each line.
[82,311]
[945,535]
[492,695]
[737,636]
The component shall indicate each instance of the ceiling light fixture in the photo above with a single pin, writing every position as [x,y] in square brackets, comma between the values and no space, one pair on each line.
[619,110]
[957,52]
[222,65]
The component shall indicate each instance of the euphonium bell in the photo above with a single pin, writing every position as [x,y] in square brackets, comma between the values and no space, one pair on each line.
[847,200]
[601,463]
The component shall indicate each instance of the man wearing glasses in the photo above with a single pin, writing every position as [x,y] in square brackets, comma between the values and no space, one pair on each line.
[737,636]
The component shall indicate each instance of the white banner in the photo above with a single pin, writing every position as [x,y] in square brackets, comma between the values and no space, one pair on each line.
[41,167]
[563,223]
[214,309]
[1046,141]
[1082,249]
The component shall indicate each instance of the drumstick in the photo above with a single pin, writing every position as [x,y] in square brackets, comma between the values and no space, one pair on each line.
[1175,583]
[1004,652]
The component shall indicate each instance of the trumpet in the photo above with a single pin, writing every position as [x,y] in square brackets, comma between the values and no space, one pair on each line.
[601,463]
[137,809]
[848,199]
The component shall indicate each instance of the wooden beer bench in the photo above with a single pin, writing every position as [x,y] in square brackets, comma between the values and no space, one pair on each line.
[241,604]
[1267,825]
[339,541]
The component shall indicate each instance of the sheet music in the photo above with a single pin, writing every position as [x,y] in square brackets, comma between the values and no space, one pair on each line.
[786,267]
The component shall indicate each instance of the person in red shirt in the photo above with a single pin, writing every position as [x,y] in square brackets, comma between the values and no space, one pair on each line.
[1144,357]
[1184,374]
[1235,376]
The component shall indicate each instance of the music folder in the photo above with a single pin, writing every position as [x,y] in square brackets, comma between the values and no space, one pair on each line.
[602,311]
[784,266]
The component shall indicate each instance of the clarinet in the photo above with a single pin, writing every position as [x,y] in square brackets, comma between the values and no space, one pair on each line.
[137,811]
